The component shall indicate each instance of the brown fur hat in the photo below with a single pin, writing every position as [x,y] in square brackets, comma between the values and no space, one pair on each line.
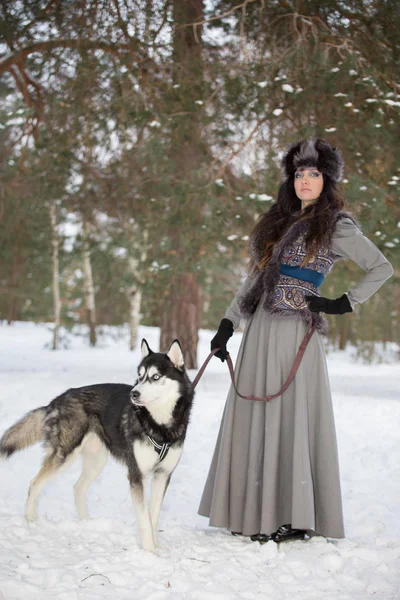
[313,152]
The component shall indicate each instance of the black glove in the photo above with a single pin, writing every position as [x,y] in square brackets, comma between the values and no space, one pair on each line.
[339,306]
[225,331]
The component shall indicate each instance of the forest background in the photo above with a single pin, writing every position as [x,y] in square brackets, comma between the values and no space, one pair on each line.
[140,140]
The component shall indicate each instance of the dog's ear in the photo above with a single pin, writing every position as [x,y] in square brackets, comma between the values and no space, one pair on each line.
[145,348]
[175,355]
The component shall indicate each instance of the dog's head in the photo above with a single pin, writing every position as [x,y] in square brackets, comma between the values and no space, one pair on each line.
[161,377]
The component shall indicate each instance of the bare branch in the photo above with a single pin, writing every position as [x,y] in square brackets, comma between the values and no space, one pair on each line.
[218,17]
[242,31]
[163,21]
[75,44]
[121,22]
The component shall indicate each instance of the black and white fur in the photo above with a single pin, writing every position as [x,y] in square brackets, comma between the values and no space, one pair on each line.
[116,419]
[313,152]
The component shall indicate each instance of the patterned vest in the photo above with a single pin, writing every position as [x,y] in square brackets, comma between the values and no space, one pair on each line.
[280,292]
[290,290]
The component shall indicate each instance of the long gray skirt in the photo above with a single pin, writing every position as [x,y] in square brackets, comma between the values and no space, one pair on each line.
[277,462]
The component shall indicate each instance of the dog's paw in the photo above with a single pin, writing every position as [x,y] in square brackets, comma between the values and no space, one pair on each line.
[31,517]
[161,547]
[149,547]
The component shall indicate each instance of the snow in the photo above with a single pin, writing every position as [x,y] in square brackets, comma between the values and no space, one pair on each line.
[61,558]
[392,103]
[264,197]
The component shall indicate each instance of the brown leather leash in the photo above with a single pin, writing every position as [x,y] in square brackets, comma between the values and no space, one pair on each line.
[299,356]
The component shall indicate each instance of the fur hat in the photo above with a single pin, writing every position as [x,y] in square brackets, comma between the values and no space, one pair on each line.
[314,152]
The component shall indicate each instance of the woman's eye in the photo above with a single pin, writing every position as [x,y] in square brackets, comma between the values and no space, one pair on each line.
[315,174]
[298,175]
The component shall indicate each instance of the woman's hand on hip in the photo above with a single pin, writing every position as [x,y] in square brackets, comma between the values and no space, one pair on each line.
[338,306]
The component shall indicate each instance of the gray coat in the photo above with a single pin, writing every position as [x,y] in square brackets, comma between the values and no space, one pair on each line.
[276,463]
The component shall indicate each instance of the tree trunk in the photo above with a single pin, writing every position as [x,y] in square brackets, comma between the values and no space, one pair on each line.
[135,291]
[88,285]
[395,325]
[56,274]
[135,301]
[13,282]
[180,316]
[344,331]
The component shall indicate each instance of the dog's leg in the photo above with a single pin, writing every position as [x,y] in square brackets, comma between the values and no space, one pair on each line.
[138,493]
[158,488]
[51,466]
[94,457]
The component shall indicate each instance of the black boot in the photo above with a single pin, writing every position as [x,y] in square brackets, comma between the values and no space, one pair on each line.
[262,538]
[286,533]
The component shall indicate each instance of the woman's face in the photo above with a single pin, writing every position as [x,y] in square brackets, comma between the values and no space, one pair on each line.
[308,184]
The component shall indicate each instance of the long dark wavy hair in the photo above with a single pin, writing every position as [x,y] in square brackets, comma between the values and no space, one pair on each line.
[274,223]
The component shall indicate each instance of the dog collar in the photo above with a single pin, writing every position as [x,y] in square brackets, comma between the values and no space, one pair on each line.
[161,449]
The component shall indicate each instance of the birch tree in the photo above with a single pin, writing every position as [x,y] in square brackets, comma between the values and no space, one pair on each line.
[136,260]
[88,284]
[56,273]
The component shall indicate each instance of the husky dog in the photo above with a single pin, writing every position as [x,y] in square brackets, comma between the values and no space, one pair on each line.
[144,427]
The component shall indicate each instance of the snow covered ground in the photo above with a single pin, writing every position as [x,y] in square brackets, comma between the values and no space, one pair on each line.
[60,558]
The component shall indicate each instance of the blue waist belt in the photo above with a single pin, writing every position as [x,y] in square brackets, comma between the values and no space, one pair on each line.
[303,274]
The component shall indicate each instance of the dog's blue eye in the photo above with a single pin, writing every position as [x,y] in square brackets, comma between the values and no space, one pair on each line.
[155,377]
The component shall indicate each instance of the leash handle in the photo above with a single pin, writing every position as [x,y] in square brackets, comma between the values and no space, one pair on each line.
[312,327]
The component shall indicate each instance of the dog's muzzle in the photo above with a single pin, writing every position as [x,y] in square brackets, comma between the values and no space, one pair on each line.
[134,395]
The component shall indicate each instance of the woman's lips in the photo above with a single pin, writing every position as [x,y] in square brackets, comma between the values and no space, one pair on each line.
[305,190]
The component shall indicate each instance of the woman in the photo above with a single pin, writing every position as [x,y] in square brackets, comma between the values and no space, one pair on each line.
[275,473]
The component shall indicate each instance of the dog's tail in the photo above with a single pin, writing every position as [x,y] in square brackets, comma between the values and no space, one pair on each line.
[24,433]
